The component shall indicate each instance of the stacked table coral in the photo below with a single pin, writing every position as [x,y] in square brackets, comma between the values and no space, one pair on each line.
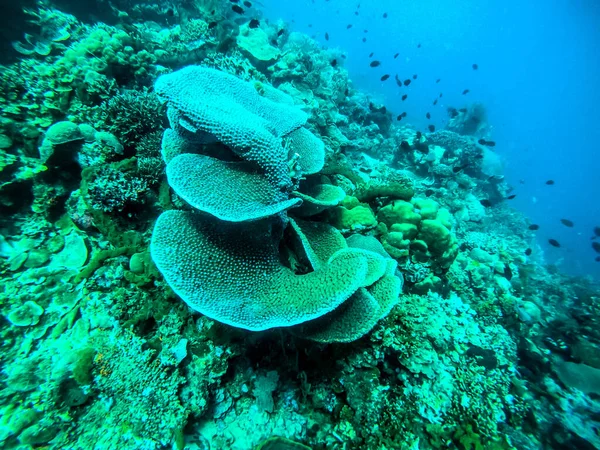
[229,256]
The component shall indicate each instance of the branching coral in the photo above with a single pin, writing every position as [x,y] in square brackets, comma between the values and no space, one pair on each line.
[131,115]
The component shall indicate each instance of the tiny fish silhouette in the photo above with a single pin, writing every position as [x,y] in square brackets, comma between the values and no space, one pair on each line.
[554,243]
[567,223]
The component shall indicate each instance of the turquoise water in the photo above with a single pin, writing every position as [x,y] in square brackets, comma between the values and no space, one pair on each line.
[309,225]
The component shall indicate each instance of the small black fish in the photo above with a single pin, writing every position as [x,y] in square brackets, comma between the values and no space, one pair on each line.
[428,115]
[346,92]
[528,252]
[452,112]
[399,117]
[406,82]
[490,143]
[398,80]
[475,66]
[404,97]
[533,227]
[510,197]
[375,63]
[555,243]
[597,231]
[441,95]
[237,9]
[465,92]
[396,55]
[211,25]
[419,135]
[550,182]
[348,26]
[385,77]
[485,202]
[435,102]
[418,45]
[479,156]
[333,63]
[415,76]
[170,12]
[596,246]
[597,259]
[274,42]
[254,23]
[404,114]
[567,223]
[364,39]
[365,31]
[280,32]
[481,141]
[371,55]
[247,4]
[404,145]
[356,13]
[438,80]
[326,36]
[431,128]
[429,192]
[385,15]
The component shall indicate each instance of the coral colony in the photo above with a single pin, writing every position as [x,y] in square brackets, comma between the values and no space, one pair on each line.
[210,239]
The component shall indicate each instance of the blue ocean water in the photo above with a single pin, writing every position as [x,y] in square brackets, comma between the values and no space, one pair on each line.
[537,77]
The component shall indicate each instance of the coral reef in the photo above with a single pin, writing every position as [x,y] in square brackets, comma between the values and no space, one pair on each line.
[210,239]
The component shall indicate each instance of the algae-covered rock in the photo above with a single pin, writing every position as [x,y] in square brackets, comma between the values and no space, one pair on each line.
[40,433]
[17,261]
[74,254]
[55,244]
[5,142]
[391,184]
[281,443]
[37,258]
[58,134]
[358,218]
[27,314]
[136,263]
[431,283]
[255,42]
